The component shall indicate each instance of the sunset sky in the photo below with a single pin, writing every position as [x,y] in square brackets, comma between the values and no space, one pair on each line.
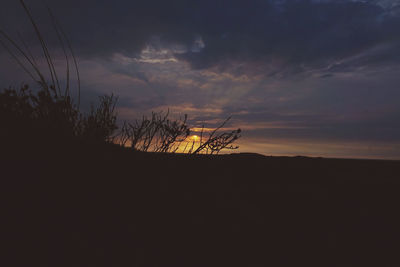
[300,77]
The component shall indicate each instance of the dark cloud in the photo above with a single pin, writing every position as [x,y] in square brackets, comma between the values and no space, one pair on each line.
[298,34]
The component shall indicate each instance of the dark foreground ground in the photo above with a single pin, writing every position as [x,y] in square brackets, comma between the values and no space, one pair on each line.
[70,206]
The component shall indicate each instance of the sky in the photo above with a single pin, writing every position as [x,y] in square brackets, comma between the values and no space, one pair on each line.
[299,77]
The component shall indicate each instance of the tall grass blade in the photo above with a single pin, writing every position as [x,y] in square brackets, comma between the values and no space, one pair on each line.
[26,47]
[54,22]
[49,60]
[73,58]
[16,58]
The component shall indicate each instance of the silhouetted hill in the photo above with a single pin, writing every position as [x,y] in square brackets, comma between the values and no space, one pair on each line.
[92,205]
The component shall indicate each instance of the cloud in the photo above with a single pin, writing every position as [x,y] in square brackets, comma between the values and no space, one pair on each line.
[292,35]
[323,70]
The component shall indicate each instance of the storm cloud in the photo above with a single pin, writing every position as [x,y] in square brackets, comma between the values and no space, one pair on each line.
[296,34]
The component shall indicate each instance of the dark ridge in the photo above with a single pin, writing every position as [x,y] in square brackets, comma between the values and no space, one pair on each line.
[104,205]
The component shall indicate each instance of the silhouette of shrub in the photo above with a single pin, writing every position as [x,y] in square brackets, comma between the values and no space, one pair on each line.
[99,125]
[51,113]
[48,116]
[217,141]
[158,134]
[172,134]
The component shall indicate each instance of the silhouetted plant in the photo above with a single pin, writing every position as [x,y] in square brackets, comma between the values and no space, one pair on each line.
[99,125]
[158,134]
[217,141]
[139,134]
[44,111]
[20,53]
[48,115]
[51,112]
[172,134]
